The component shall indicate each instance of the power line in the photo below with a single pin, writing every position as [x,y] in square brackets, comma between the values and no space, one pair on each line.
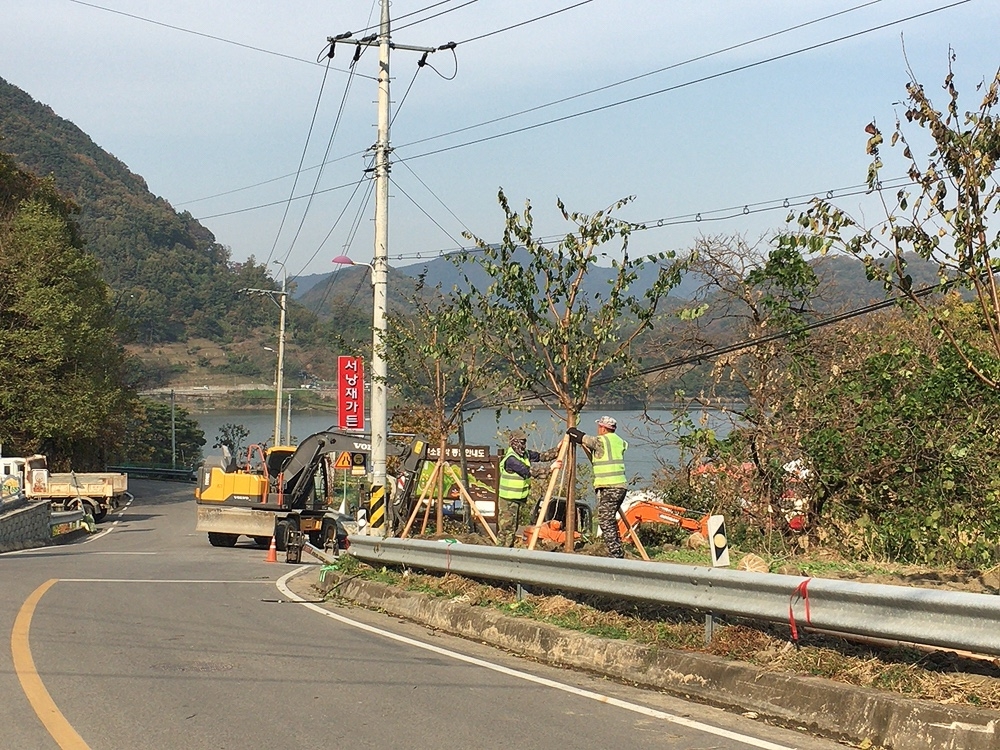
[436,197]
[352,233]
[733,212]
[422,210]
[563,100]
[632,79]
[524,23]
[779,335]
[347,205]
[302,159]
[268,182]
[198,33]
[309,169]
[396,19]
[701,357]
[329,145]
[274,203]
[296,173]
[436,15]
[685,84]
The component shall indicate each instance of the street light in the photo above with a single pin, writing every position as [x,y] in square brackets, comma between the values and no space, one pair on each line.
[274,352]
[281,354]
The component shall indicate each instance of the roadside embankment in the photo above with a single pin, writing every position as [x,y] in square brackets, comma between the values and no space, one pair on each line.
[861,716]
[24,525]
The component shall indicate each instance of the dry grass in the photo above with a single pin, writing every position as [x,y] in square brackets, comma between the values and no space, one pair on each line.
[941,676]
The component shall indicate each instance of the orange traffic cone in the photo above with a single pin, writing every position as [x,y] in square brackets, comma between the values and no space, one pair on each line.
[272,552]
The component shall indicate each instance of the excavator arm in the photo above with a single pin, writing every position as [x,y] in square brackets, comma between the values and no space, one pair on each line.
[650,511]
[295,481]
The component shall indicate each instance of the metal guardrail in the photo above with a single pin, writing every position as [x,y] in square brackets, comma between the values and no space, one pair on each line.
[948,619]
[154,472]
[66,521]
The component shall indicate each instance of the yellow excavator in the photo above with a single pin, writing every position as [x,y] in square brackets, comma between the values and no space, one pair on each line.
[274,490]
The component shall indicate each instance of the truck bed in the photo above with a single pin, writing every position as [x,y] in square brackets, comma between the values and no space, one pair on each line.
[95,485]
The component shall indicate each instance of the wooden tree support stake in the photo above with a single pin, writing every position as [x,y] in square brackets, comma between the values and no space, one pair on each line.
[423,496]
[553,479]
[472,505]
[634,534]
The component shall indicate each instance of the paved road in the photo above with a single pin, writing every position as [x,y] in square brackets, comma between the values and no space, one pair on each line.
[146,637]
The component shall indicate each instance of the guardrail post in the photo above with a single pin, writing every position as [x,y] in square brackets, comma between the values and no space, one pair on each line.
[711,623]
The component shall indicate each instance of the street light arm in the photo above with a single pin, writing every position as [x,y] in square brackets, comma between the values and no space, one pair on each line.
[271,294]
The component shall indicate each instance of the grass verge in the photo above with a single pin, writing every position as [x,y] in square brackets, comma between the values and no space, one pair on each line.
[942,676]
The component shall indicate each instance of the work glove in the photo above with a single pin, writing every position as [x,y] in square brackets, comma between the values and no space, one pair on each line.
[575,435]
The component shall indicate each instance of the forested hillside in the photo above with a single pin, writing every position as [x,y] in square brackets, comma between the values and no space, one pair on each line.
[172,282]
[67,387]
[171,278]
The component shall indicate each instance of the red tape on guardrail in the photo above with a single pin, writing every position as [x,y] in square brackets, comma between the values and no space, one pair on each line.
[801,592]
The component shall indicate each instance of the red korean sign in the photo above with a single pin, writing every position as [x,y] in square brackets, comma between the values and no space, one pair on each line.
[351,393]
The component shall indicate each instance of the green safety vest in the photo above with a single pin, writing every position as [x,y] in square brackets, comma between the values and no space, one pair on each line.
[513,487]
[609,470]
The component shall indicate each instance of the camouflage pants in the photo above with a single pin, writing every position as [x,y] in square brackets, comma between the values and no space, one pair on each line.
[608,501]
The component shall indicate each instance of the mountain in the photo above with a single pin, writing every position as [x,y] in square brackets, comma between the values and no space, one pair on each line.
[443,272]
[173,280]
[843,282]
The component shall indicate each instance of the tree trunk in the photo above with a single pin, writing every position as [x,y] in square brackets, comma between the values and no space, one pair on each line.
[570,478]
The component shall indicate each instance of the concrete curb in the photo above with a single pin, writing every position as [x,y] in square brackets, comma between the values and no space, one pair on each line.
[835,710]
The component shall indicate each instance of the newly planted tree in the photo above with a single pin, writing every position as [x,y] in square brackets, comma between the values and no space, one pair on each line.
[535,315]
[434,353]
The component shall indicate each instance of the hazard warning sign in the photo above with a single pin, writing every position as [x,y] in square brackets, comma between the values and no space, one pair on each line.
[343,461]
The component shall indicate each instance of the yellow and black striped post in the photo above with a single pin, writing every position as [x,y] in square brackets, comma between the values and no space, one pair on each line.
[376,514]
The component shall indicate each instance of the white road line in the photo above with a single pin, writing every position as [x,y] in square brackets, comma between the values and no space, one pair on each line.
[122,553]
[600,698]
[26,551]
[111,528]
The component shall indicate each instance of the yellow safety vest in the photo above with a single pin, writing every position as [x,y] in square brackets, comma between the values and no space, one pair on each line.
[513,487]
[609,470]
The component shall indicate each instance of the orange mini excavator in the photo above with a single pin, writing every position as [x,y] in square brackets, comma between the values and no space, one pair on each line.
[638,508]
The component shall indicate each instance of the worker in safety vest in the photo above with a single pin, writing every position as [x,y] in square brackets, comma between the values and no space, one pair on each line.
[517,466]
[606,452]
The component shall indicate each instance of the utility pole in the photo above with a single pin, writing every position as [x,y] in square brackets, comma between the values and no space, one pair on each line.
[380,257]
[281,300]
[173,433]
[281,357]
[380,265]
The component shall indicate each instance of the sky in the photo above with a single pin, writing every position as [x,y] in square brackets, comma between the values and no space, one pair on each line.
[718,116]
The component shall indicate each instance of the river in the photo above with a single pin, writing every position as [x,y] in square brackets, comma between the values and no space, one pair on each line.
[652,444]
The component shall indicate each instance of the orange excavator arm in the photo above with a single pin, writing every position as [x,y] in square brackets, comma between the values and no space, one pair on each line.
[648,511]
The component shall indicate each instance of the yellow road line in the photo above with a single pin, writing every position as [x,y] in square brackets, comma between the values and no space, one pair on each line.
[48,713]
